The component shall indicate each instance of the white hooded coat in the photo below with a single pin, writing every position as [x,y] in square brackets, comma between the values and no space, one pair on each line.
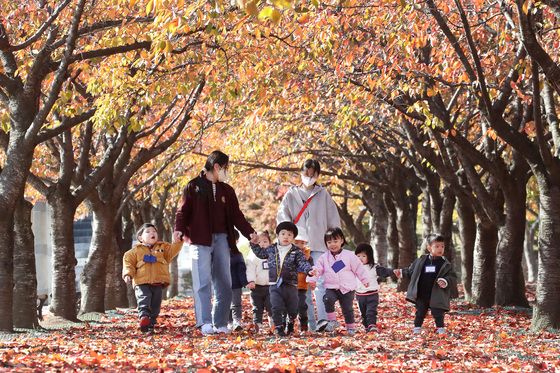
[320,215]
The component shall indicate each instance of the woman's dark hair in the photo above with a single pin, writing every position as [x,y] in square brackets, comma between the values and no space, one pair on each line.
[144,227]
[216,157]
[333,234]
[311,163]
[368,250]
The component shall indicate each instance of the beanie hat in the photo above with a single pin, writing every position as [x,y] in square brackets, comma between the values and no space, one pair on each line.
[288,226]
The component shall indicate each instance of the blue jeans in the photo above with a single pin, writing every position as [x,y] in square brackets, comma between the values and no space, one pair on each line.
[311,320]
[319,294]
[211,269]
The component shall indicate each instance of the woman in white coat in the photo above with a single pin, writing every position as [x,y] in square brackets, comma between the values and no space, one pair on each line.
[312,209]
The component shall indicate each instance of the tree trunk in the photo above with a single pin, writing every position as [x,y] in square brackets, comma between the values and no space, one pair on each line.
[407,239]
[510,284]
[379,226]
[93,277]
[467,233]
[484,264]
[124,232]
[392,234]
[110,281]
[445,228]
[173,289]
[25,276]
[546,313]
[529,253]
[6,270]
[64,257]
[427,224]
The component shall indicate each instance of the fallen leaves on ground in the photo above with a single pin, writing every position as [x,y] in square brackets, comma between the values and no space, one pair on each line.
[491,340]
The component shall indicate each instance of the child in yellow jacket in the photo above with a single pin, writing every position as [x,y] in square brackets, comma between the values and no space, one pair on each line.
[146,265]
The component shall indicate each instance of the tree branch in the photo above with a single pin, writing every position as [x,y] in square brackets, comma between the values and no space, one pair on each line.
[59,76]
[67,123]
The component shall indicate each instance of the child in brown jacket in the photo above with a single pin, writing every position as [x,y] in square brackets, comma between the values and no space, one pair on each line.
[146,265]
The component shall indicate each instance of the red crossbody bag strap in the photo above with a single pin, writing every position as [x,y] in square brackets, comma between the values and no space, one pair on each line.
[303,209]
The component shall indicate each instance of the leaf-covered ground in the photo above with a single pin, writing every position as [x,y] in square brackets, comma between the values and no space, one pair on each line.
[477,340]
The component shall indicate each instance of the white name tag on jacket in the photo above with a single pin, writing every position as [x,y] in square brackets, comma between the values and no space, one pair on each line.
[430,269]
[265,265]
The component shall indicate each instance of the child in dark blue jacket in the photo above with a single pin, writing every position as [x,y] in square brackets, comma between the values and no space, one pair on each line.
[285,260]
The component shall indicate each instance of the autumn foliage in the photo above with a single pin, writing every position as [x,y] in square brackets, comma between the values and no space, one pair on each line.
[491,340]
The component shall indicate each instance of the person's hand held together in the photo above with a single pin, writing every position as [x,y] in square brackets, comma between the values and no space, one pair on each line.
[442,283]
[251,285]
[127,279]
[177,236]
[398,272]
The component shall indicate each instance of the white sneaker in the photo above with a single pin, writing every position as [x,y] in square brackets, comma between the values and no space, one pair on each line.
[417,330]
[222,330]
[207,329]
[440,330]
[237,326]
[331,326]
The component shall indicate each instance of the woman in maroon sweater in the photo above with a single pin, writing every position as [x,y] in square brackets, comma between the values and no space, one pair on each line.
[207,217]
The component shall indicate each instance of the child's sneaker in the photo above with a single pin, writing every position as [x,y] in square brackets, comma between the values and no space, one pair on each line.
[207,329]
[331,326]
[237,326]
[372,329]
[280,331]
[351,332]
[417,330]
[222,330]
[144,323]
[321,325]
[440,330]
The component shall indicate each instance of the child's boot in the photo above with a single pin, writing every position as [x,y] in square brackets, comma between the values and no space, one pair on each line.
[303,327]
[280,331]
[290,328]
[144,323]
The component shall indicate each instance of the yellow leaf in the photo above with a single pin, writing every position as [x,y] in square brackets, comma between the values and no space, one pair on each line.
[270,13]
[431,92]
[168,46]
[149,7]
[252,9]
[132,3]
[282,4]
[526,6]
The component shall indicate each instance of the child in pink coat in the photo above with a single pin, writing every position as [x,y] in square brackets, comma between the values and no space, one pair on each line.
[339,268]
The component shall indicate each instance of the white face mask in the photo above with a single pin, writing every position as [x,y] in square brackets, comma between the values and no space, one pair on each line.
[222,175]
[308,181]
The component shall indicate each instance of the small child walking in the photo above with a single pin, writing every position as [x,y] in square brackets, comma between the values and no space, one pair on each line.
[238,281]
[258,278]
[285,260]
[301,242]
[340,269]
[368,296]
[431,276]
[146,265]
